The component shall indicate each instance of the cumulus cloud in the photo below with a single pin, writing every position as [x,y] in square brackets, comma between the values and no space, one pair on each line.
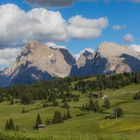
[44,25]
[118,27]
[128,38]
[8,55]
[80,27]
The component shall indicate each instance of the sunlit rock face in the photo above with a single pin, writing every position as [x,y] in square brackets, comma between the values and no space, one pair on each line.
[114,58]
[39,62]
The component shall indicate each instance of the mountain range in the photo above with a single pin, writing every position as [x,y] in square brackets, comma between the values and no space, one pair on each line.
[38,62]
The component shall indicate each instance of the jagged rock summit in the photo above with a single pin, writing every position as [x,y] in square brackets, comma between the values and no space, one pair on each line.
[114,58]
[38,62]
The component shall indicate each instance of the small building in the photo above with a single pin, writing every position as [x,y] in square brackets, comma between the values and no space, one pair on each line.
[39,126]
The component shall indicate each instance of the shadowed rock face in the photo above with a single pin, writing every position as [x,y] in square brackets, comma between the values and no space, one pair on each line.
[40,62]
[84,65]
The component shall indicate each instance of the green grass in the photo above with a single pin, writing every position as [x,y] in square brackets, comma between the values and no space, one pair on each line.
[88,126]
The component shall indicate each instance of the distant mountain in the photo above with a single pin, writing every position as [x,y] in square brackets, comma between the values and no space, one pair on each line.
[42,62]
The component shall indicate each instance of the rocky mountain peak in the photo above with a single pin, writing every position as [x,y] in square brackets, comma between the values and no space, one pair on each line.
[39,61]
[111,49]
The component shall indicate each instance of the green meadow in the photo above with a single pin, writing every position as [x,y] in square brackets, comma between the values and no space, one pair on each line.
[84,125]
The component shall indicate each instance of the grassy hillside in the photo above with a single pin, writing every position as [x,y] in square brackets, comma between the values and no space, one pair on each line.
[84,125]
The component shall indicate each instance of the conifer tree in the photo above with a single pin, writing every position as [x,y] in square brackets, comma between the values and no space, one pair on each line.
[11,101]
[38,119]
[11,124]
[106,103]
[64,117]
[7,125]
[68,115]
[23,110]
[57,117]
[91,105]
[96,105]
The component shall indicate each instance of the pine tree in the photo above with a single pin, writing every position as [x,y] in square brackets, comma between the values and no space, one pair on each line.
[64,117]
[96,105]
[118,112]
[38,119]
[17,128]
[106,103]
[57,117]
[11,101]
[66,105]
[23,110]
[7,125]
[11,124]
[91,105]
[68,115]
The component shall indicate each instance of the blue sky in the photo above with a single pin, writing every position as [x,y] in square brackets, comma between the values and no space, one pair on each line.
[118,13]
[122,13]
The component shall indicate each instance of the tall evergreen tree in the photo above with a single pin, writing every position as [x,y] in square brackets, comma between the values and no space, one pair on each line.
[68,114]
[57,117]
[91,105]
[38,119]
[11,101]
[7,125]
[118,112]
[11,124]
[106,103]
[96,105]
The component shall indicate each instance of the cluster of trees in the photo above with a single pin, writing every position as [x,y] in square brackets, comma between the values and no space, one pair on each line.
[57,118]
[10,125]
[48,90]
[94,105]
[61,88]
[103,82]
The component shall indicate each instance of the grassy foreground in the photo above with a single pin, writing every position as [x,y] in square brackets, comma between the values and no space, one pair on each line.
[84,125]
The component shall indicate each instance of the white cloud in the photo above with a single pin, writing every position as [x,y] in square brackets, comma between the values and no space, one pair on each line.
[53,45]
[135,47]
[128,38]
[8,56]
[44,25]
[118,27]
[80,27]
